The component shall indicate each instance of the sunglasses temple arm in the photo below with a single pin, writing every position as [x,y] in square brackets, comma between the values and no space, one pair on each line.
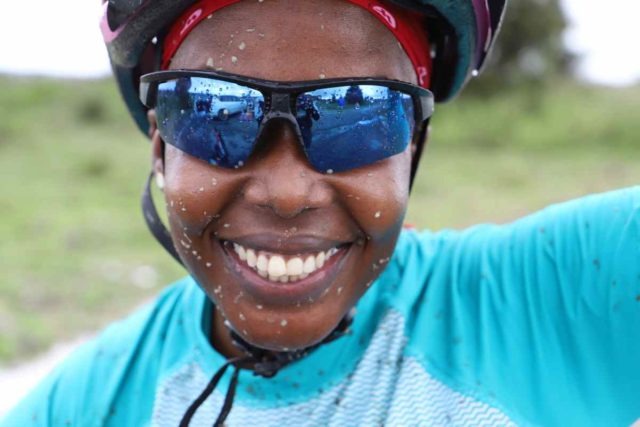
[155,224]
[148,92]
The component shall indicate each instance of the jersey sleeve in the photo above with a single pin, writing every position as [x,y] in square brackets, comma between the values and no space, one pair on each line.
[541,317]
[56,400]
[111,380]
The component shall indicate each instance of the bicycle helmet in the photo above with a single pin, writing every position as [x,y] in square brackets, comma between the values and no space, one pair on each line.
[461,34]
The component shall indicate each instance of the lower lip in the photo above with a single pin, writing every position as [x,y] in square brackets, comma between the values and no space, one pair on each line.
[303,291]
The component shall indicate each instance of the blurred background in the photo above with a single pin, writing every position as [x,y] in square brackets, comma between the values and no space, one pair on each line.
[555,116]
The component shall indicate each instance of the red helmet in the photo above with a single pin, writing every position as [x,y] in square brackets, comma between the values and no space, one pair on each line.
[461,34]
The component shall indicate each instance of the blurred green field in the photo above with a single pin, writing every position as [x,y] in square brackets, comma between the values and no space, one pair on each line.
[75,252]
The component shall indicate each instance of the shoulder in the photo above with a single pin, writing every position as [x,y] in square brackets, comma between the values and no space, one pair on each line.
[127,358]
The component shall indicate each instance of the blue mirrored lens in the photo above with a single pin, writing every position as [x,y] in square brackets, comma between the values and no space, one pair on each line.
[351,126]
[213,120]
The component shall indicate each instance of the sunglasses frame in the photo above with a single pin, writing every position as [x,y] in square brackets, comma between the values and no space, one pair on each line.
[280,97]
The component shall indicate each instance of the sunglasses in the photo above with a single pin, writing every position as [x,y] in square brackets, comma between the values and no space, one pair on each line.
[341,123]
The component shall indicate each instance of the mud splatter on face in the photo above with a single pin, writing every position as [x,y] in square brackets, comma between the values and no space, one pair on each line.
[276,202]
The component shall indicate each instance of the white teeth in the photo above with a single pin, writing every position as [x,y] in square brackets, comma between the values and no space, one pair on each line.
[309,265]
[240,251]
[277,268]
[263,263]
[320,260]
[252,260]
[294,266]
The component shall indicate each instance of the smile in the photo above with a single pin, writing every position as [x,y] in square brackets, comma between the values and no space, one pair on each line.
[285,276]
[280,267]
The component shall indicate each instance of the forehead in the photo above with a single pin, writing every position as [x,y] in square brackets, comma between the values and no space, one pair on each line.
[295,40]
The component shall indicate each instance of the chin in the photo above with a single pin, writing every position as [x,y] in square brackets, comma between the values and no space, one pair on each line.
[287,328]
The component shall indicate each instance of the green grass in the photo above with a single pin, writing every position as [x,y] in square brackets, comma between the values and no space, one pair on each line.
[74,249]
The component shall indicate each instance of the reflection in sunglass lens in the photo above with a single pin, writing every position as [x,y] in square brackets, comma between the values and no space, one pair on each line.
[351,126]
[213,120]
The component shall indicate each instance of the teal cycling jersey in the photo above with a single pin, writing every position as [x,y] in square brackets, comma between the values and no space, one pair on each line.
[536,322]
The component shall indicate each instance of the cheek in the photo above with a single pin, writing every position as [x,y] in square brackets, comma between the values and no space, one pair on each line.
[379,201]
[378,204]
[194,192]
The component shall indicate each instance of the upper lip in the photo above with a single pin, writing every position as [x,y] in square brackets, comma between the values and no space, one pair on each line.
[286,245]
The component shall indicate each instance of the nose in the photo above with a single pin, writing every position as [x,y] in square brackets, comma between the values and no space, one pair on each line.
[281,177]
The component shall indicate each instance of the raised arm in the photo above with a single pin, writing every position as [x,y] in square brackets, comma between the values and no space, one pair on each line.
[540,317]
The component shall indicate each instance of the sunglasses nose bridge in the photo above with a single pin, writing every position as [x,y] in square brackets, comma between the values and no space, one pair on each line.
[280,109]
[281,103]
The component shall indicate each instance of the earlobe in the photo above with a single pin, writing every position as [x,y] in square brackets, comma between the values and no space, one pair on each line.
[159,180]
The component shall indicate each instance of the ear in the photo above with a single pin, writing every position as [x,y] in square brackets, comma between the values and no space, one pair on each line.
[157,149]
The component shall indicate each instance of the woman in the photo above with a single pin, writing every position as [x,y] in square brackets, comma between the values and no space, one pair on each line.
[530,323]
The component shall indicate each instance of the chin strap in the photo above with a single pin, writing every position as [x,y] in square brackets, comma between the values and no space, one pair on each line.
[264,363]
[154,222]
[267,363]
[228,399]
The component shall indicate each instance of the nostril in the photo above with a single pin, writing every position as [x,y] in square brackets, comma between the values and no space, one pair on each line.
[288,213]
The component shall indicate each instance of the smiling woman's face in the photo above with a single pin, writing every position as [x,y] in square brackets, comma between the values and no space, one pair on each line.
[277,207]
